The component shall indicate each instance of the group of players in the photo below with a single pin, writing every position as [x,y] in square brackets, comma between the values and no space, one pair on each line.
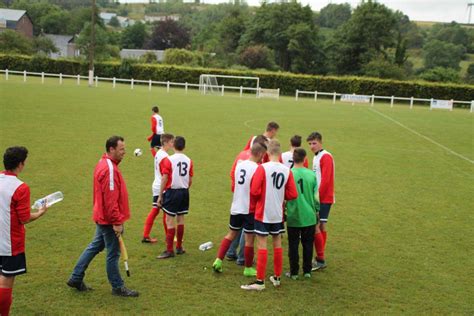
[269,187]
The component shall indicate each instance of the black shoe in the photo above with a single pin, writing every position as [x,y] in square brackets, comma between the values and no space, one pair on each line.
[80,286]
[123,291]
[148,240]
[180,251]
[231,258]
[165,255]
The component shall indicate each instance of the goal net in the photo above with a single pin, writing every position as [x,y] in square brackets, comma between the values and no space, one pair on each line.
[269,93]
[218,84]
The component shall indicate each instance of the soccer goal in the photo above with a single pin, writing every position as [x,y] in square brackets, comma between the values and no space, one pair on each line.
[218,84]
[269,93]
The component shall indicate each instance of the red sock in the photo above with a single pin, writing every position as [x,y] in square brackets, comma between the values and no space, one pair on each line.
[262,256]
[5,301]
[164,223]
[319,245]
[225,244]
[179,236]
[153,151]
[278,261]
[248,255]
[325,235]
[149,222]
[170,239]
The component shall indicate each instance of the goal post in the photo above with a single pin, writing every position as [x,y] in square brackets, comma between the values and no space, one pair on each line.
[214,84]
[268,93]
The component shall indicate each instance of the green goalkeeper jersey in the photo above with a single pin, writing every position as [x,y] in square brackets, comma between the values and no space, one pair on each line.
[302,211]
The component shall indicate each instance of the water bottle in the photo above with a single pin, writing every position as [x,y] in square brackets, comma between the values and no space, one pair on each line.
[206,246]
[49,200]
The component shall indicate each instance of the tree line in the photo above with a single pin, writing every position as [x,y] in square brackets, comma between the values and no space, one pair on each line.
[369,40]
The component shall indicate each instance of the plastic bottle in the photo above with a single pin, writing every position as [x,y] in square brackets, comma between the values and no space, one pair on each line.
[48,200]
[206,246]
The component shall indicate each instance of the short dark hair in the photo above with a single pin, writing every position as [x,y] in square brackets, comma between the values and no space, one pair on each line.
[315,136]
[298,155]
[13,156]
[257,149]
[272,125]
[295,141]
[112,142]
[166,138]
[155,109]
[262,140]
[179,143]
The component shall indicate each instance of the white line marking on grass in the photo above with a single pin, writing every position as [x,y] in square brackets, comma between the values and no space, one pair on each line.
[422,136]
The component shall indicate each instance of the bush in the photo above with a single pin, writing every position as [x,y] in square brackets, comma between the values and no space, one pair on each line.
[287,82]
[257,56]
[178,56]
[441,74]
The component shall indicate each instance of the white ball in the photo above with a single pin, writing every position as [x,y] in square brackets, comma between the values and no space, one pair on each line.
[137,152]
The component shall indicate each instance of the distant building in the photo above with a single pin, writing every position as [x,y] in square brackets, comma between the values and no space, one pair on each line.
[106,16]
[65,45]
[151,18]
[137,53]
[124,21]
[17,20]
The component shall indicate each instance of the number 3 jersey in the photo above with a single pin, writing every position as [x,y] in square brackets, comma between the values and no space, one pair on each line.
[271,185]
[179,169]
[242,176]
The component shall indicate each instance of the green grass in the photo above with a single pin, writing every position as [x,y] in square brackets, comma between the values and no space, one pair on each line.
[400,235]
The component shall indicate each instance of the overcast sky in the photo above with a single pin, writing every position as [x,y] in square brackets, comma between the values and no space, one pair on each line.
[418,10]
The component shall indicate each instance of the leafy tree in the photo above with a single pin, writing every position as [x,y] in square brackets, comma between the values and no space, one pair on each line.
[177,56]
[44,45]
[470,74]
[367,35]
[36,11]
[55,22]
[134,36]
[14,42]
[79,17]
[114,22]
[451,33]
[442,54]
[103,50]
[304,52]
[441,74]
[257,56]
[169,34]
[334,15]
[270,24]
[383,68]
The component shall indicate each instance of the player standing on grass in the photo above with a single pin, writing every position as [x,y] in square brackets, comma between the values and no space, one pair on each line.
[270,133]
[271,185]
[323,167]
[287,156]
[167,144]
[158,128]
[241,214]
[301,216]
[110,211]
[176,179]
[14,214]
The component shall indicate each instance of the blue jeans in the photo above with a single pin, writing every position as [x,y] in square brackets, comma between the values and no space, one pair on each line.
[239,241]
[104,238]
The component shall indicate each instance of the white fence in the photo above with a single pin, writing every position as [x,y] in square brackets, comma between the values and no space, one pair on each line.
[372,98]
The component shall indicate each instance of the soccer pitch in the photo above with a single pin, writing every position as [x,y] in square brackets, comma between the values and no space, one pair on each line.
[400,235]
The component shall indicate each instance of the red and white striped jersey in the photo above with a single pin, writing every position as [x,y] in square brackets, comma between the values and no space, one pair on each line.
[159,157]
[324,169]
[243,174]
[287,159]
[14,211]
[179,169]
[271,184]
[157,125]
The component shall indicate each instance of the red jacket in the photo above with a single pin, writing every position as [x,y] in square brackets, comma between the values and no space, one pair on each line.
[110,194]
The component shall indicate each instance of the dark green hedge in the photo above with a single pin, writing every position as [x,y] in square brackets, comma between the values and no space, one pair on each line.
[287,82]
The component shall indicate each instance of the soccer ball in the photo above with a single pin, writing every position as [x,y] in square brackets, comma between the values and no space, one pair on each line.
[137,152]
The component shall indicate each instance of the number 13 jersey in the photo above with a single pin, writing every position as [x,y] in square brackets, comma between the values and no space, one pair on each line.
[179,169]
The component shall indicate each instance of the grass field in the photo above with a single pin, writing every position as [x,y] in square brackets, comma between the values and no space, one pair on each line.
[400,235]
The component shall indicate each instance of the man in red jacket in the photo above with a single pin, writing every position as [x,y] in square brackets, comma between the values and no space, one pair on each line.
[110,212]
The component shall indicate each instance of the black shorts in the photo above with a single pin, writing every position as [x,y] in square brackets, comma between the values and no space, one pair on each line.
[13,265]
[324,212]
[176,202]
[155,200]
[155,141]
[245,221]
[264,229]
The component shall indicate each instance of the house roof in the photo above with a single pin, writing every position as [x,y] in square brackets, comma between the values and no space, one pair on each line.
[107,15]
[11,15]
[60,40]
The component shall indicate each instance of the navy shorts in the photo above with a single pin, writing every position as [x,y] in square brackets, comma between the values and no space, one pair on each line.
[155,141]
[13,265]
[176,202]
[324,212]
[155,200]
[245,221]
[264,229]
